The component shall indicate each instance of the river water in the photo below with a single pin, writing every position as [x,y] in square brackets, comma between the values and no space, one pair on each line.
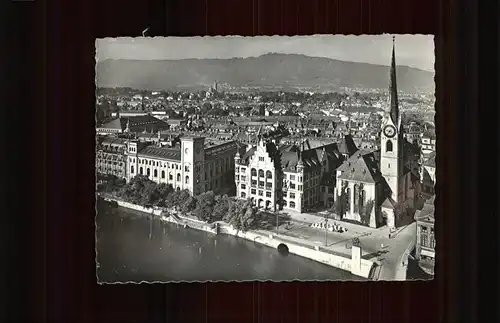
[126,253]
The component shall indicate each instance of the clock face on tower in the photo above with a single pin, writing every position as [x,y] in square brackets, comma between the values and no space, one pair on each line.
[390,131]
[186,151]
[198,150]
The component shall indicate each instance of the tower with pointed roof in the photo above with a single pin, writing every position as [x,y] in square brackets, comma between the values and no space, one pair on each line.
[237,156]
[127,128]
[391,139]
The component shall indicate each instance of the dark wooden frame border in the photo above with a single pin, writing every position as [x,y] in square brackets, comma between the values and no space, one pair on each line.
[60,271]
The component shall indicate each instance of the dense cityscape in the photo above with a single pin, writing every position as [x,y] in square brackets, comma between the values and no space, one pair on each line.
[356,165]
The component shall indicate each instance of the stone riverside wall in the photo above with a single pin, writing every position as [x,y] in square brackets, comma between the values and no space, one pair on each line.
[266,238]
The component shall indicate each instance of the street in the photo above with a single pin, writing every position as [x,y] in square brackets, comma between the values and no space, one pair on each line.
[389,253]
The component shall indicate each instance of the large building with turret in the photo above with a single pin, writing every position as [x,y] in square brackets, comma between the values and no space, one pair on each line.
[197,164]
[295,177]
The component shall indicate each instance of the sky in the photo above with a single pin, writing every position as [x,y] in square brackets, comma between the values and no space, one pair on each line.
[411,50]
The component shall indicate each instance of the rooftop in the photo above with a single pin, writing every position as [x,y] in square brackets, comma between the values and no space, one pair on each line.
[431,161]
[361,167]
[161,152]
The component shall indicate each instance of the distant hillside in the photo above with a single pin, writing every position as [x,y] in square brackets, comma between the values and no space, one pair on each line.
[278,71]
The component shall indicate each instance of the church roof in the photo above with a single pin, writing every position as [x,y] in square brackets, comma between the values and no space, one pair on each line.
[360,167]
[389,203]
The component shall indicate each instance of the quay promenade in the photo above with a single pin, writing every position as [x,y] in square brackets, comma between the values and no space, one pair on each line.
[390,254]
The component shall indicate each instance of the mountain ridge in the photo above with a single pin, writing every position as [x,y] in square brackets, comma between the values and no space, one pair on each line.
[275,70]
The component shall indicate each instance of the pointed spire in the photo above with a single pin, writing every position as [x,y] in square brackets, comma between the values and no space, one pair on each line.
[238,148]
[300,163]
[393,89]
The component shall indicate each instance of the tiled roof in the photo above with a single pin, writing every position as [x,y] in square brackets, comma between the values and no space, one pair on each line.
[114,124]
[289,160]
[427,212]
[361,167]
[111,141]
[389,203]
[320,142]
[218,147]
[162,153]
[137,123]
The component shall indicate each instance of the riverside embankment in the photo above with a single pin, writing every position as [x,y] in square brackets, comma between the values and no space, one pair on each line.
[293,245]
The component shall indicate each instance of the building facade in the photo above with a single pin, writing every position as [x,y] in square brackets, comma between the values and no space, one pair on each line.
[287,177]
[257,175]
[111,157]
[426,240]
[413,133]
[196,165]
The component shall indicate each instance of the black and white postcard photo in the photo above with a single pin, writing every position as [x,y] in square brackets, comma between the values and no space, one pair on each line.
[228,158]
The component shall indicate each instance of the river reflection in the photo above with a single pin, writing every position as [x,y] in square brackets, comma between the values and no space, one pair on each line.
[125,253]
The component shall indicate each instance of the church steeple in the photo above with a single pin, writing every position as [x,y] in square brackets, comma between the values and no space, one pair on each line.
[393,88]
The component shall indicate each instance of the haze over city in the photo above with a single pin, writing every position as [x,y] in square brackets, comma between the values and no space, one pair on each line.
[413,50]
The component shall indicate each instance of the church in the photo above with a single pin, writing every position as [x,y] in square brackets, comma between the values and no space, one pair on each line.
[379,188]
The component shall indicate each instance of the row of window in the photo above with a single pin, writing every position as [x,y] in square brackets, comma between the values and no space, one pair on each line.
[268,174]
[108,170]
[253,191]
[110,150]
[155,174]
[292,186]
[268,185]
[159,164]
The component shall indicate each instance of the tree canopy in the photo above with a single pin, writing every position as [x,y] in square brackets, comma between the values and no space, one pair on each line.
[208,206]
